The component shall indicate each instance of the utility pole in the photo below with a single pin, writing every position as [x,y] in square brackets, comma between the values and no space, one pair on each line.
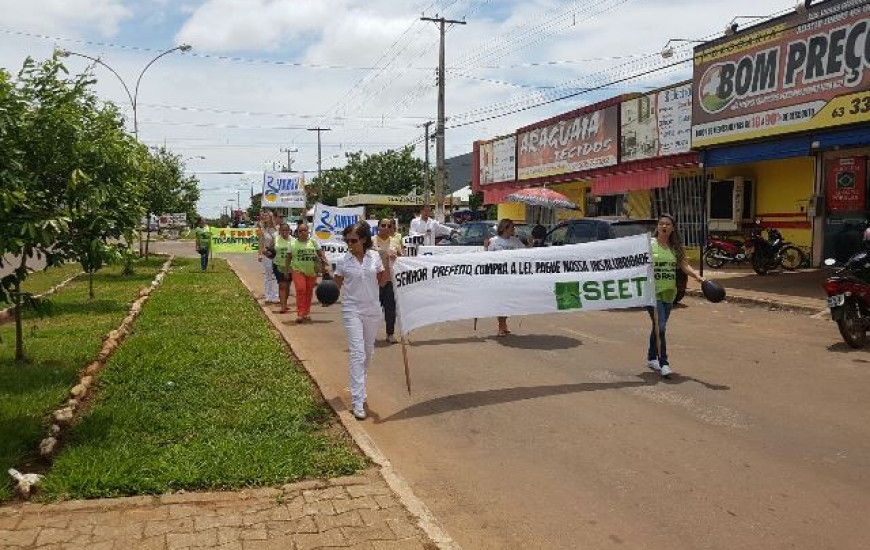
[319,161]
[289,160]
[440,174]
[426,173]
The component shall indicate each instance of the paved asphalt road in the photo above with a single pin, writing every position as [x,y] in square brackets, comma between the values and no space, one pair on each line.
[558,437]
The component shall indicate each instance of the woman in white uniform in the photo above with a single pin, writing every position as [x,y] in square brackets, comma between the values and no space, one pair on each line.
[359,274]
[505,240]
[267,242]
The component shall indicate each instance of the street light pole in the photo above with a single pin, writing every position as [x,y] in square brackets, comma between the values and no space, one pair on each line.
[135,95]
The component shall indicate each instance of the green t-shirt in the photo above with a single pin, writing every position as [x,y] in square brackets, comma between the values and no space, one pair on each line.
[203,238]
[304,256]
[282,250]
[665,270]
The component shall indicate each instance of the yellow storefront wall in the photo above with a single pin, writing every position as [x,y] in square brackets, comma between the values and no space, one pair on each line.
[513,210]
[781,187]
[576,193]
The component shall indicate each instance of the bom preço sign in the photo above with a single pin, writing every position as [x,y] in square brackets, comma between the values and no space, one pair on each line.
[795,73]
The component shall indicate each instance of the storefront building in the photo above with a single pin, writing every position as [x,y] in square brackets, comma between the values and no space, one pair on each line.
[780,120]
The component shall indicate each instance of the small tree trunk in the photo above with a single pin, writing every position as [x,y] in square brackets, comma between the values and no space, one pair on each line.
[19,331]
[91,284]
[148,238]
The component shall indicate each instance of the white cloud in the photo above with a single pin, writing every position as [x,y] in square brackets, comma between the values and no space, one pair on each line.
[245,25]
[65,17]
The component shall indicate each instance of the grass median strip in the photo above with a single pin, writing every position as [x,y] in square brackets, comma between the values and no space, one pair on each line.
[57,346]
[203,395]
[43,281]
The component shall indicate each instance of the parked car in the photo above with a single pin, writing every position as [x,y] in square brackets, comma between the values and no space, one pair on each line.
[478,233]
[598,229]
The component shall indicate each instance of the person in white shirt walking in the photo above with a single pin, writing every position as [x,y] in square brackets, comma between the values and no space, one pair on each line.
[359,274]
[504,240]
[266,243]
[427,228]
[389,247]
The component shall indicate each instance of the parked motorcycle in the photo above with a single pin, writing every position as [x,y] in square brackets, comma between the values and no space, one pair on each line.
[720,251]
[848,290]
[774,252]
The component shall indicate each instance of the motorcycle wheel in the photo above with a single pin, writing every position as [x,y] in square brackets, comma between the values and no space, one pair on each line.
[760,264]
[851,328]
[791,257]
[712,261]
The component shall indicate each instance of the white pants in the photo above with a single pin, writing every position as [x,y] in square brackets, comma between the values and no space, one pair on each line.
[361,332]
[271,285]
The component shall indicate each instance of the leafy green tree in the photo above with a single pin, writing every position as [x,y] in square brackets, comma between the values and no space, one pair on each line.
[167,189]
[256,206]
[388,173]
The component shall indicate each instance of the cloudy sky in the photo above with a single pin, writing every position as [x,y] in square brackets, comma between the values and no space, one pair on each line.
[261,72]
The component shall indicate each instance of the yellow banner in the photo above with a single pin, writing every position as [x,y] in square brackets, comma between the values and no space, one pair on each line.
[228,239]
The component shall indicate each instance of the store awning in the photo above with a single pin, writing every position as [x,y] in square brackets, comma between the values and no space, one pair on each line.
[616,184]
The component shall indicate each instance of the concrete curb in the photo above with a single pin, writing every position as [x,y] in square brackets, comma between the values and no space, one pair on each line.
[767,303]
[425,518]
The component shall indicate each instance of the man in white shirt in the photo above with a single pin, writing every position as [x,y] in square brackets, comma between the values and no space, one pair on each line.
[427,227]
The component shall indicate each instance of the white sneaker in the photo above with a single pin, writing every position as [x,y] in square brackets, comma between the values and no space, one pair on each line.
[391,339]
[359,413]
[666,370]
[654,365]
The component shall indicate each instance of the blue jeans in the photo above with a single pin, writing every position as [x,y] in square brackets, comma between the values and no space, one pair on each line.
[203,258]
[664,310]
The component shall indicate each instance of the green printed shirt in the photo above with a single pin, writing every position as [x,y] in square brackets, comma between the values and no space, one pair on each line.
[203,238]
[304,256]
[282,250]
[665,271]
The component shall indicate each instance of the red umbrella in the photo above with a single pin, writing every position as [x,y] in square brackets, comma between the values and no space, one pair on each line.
[541,196]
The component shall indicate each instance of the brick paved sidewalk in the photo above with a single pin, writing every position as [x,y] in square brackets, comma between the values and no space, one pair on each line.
[358,512]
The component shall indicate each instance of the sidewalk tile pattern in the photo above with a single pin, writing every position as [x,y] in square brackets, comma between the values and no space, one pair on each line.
[354,512]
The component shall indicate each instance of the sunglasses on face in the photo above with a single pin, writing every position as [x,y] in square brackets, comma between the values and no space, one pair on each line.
[386,225]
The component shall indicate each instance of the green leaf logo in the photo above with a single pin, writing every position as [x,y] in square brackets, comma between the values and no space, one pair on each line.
[568,295]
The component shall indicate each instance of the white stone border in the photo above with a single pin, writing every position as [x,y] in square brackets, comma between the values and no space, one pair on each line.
[65,415]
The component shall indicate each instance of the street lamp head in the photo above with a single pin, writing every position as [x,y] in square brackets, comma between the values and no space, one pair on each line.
[668,52]
[185,47]
[62,53]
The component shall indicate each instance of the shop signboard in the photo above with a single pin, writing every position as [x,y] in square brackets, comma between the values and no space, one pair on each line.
[380,200]
[846,184]
[498,160]
[657,124]
[577,141]
[795,73]
[284,190]
[178,219]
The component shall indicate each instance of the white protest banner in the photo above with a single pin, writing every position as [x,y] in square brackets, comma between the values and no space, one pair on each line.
[334,250]
[330,221]
[284,189]
[439,250]
[611,274]
[411,244]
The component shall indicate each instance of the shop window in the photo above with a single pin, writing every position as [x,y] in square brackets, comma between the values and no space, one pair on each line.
[611,205]
[730,203]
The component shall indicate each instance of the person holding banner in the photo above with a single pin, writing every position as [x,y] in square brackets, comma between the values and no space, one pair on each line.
[359,274]
[668,256]
[424,226]
[267,243]
[203,242]
[389,247]
[281,265]
[505,239]
[305,254]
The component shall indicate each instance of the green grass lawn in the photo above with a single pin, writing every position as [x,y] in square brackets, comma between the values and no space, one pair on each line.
[42,281]
[57,347]
[203,395]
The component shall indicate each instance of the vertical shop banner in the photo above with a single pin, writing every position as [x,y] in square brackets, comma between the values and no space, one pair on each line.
[330,221]
[284,189]
[794,73]
[611,274]
[227,239]
[572,142]
[847,184]
[657,124]
[497,160]
[484,152]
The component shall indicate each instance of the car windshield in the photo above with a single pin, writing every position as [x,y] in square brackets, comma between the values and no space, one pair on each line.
[632,228]
[468,231]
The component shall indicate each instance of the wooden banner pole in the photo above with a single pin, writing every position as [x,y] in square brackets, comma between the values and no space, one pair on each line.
[407,368]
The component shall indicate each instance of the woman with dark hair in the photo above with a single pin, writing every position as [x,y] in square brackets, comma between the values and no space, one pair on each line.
[305,257]
[359,274]
[668,256]
[504,240]
[281,266]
